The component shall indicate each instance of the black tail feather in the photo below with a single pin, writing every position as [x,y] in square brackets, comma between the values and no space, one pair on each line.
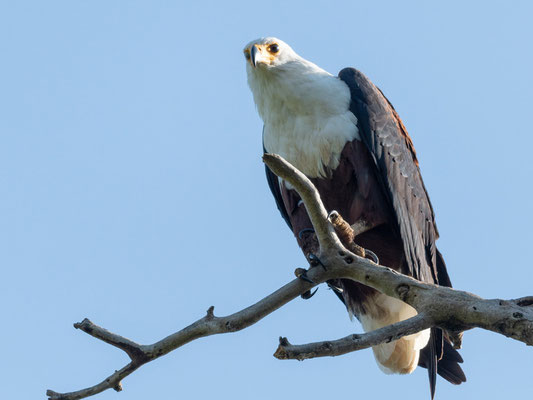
[449,367]
[440,357]
[432,361]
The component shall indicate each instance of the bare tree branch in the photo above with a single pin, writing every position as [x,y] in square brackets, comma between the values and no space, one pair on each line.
[206,326]
[450,309]
[348,344]
[313,204]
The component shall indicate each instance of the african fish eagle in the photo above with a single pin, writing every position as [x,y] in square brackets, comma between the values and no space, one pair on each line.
[343,134]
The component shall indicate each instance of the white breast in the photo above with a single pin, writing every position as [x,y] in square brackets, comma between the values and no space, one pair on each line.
[306,116]
[311,143]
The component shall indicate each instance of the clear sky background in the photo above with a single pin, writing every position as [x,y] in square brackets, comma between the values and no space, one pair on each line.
[133,191]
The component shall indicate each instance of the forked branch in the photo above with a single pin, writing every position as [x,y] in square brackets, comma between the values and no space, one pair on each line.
[449,309]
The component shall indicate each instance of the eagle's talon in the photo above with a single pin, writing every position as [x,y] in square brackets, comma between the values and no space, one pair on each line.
[307,295]
[303,231]
[333,215]
[315,261]
[302,274]
[372,256]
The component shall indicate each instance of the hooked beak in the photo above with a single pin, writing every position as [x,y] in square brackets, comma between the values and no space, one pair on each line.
[254,55]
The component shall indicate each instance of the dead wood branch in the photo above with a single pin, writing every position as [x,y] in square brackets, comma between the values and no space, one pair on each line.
[348,344]
[447,308]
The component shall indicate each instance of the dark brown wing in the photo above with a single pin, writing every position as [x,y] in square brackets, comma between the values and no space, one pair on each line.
[273,184]
[392,149]
[387,140]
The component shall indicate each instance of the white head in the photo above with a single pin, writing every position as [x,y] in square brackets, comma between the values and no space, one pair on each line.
[268,53]
[277,75]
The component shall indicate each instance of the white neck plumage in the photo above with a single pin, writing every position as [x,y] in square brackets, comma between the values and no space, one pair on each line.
[305,112]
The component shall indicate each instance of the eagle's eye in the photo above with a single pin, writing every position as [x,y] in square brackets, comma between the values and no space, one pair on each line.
[273,48]
[247,54]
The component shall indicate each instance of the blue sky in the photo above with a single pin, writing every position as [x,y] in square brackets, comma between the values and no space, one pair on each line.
[134,193]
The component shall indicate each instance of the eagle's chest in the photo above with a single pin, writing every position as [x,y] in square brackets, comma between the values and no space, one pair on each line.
[306,116]
[312,142]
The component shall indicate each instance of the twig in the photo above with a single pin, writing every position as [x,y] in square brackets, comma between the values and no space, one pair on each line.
[348,344]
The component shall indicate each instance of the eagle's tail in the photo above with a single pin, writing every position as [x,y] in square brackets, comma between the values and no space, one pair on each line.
[447,366]
[439,356]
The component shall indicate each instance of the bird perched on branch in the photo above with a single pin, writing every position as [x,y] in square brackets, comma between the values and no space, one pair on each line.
[343,133]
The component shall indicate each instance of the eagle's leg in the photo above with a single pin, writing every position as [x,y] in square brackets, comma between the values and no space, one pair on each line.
[309,244]
[302,274]
[346,235]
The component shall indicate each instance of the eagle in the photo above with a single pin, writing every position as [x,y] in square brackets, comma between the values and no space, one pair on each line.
[347,138]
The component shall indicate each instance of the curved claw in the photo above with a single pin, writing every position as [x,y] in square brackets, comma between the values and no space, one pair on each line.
[336,289]
[302,274]
[314,261]
[333,215]
[372,255]
[307,295]
[306,230]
